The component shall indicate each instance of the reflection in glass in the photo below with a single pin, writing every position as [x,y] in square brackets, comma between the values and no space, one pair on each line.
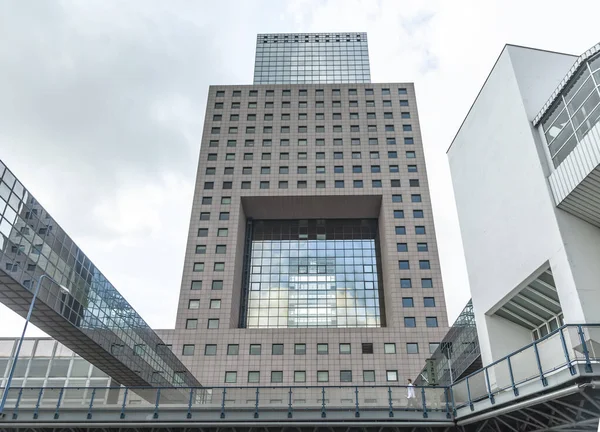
[313,273]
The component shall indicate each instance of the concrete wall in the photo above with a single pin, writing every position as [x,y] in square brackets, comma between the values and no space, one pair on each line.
[506,213]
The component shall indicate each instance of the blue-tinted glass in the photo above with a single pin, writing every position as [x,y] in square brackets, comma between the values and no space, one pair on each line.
[405,283]
[410,322]
[431,321]
[407,302]
[313,274]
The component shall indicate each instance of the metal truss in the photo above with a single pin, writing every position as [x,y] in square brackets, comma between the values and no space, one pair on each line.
[269,428]
[579,412]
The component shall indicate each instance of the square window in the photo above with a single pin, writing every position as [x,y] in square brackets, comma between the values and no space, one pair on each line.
[408,302]
[246,185]
[300,376]
[253,376]
[210,171]
[411,155]
[219,266]
[247,170]
[196,285]
[225,200]
[429,301]
[400,230]
[277,349]
[391,375]
[200,249]
[302,116]
[209,185]
[220,93]
[276,376]
[356,155]
[206,200]
[320,170]
[410,322]
[406,128]
[230,377]
[420,230]
[411,168]
[320,184]
[376,183]
[392,155]
[203,232]
[268,117]
[370,104]
[322,348]
[224,216]
[191,324]
[413,182]
[358,184]
[396,198]
[222,232]
[355,141]
[300,349]
[401,247]
[367,348]
[217,285]
[264,185]
[227,185]
[354,128]
[320,155]
[284,156]
[424,265]
[395,183]
[338,169]
[345,348]
[213,323]
[371,116]
[285,116]
[322,376]
[283,184]
[346,376]
[426,283]
[403,103]
[228,171]
[389,348]
[267,143]
[415,198]
[319,116]
[319,142]
[188,350]
[301,184]
[422,247]
[199,267]
[302,155]
[210,350]
[409,141]
[215,304]
[369,376]
[375,169]
[433,346]
[338,141]
[431,321]
[301,170]
[357,169]
[398,214]
[412,348]
[233,349]
[405,283]
[418,214]
[403,265]
[394,168]
[255,349]
[374,155]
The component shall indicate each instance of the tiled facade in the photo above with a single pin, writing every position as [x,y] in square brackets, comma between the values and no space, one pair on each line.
[374,126]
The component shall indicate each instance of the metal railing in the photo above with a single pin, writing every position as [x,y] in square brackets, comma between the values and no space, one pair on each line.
[561,350]
[552,360]
[225,400]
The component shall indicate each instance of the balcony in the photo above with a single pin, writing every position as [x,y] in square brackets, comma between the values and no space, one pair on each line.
[570,126]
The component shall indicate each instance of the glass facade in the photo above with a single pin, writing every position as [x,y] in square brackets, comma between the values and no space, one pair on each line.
[313,273]
[88,310]
[575,112]
[312,58]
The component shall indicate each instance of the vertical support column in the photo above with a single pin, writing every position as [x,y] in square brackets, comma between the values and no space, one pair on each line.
[122,416]
[390,401]
[89,414]
[469,395]
[356,409]
[323,413]
[425,415]
[155,415]
[60,396]
[512,377]
[566,351]
[256,404]
[586,353]
[289,415]
[16,411]
[539,364]
[37,405]
[489,386]
[223,403]
[189,413]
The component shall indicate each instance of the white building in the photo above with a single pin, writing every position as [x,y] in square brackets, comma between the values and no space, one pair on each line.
[528,196]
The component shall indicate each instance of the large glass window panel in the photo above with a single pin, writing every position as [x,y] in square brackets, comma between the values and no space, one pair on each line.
[313,273]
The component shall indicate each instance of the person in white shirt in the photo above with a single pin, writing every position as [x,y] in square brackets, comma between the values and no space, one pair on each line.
[410,395]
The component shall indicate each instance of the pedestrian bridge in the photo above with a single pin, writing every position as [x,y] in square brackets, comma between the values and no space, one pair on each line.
[548,385]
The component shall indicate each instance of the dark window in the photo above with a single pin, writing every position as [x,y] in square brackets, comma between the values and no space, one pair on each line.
[338,169]
[217,285]
[367,348]
[407,302]
[403,265]
[418,214]
[346,376]
[401,247]
[395,183]
[420,230]
[409,140]
[422,247]
[428,301]
[426,283]
[400,230]
[415,198]
[431,321]
[412,348]
[405,283]
[424,265]
[299,349]
[203,232]
[413,182]
[277,349]
[255,349]
[339,184]
[396,198]
[375,168]
[358,184]
[398,214]
[410,322]
[376,183]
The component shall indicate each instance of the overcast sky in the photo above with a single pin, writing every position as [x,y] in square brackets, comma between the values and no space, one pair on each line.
[102,104]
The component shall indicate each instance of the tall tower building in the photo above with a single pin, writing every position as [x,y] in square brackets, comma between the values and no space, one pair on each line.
[311,256]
